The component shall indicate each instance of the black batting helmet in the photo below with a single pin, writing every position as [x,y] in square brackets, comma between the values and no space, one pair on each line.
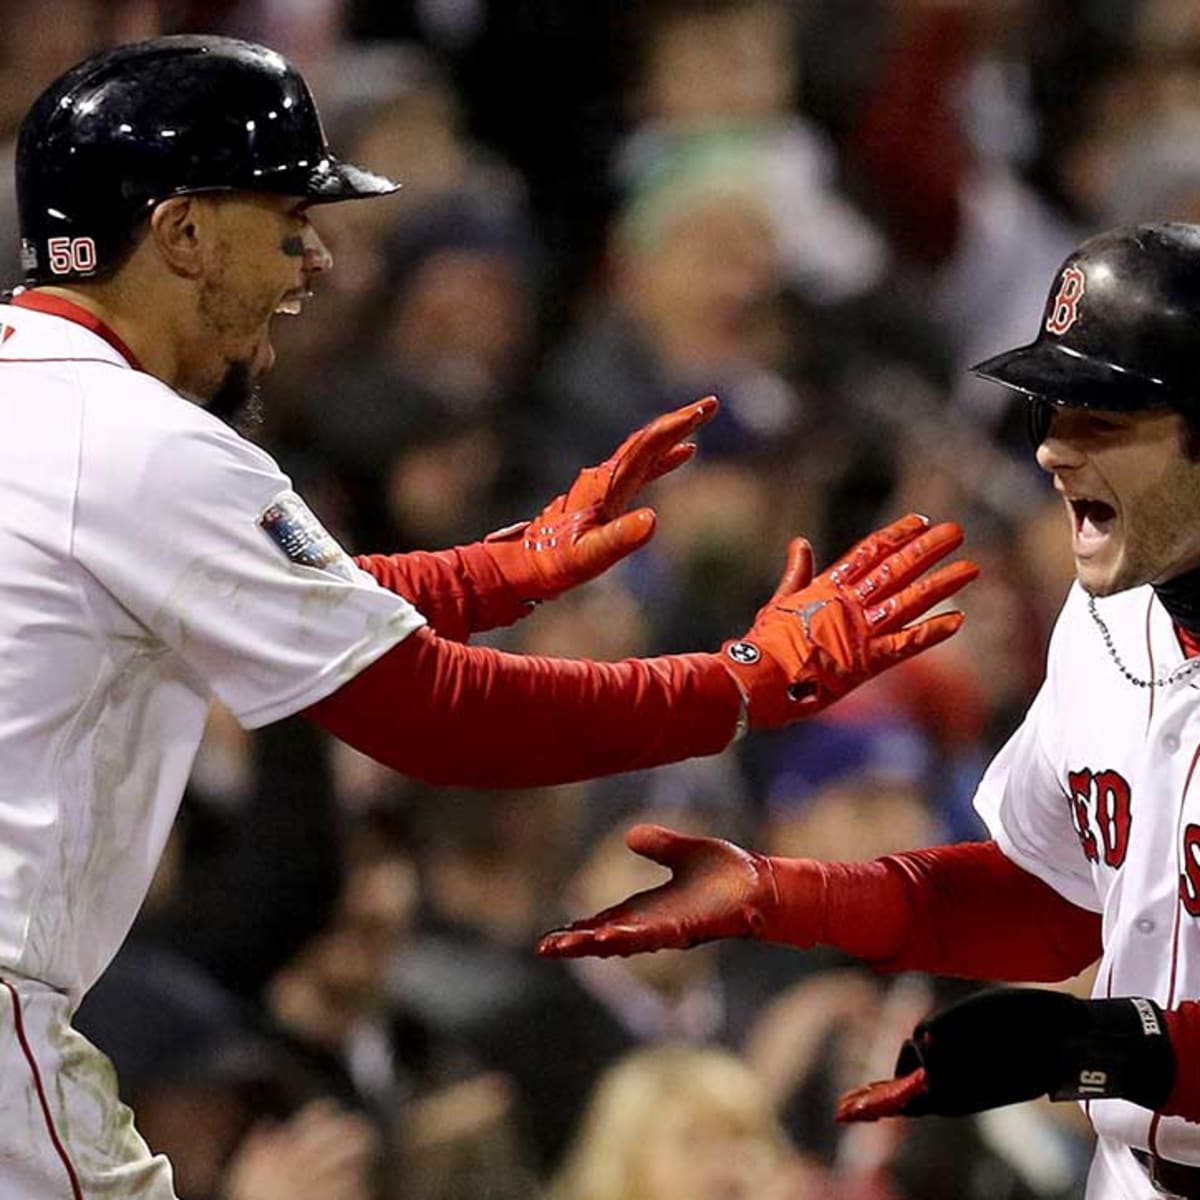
[132,126]
[1120,331]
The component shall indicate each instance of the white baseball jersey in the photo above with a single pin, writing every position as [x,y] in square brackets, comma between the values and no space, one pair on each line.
[1098,794]
[151,560]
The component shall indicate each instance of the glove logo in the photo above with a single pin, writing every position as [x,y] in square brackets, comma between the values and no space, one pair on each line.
[807,613]
[745,653]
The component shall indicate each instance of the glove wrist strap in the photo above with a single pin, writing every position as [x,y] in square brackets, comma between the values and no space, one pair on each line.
[1124,1051]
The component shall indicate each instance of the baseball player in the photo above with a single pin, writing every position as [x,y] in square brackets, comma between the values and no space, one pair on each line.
[154,559]
[1093,806]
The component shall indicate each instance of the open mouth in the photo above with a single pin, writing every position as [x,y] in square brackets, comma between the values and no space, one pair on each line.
[1093,518]
[292,304]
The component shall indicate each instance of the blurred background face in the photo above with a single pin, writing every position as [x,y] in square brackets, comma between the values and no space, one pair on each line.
[462,323]
[706,284]
[32,61]
[433,488]
[349,962]
[671,1121]
[855,819]
[705,1155]
[733,64]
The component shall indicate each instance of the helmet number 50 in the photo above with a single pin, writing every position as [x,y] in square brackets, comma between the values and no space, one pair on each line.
[71,255]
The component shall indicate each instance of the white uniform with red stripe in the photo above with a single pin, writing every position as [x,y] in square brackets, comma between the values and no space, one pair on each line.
[1098,794]
[152,559]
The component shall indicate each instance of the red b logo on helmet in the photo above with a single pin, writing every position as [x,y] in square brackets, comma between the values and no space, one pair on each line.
[1066,304]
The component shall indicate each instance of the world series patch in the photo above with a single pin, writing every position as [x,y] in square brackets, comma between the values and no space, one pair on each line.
[291,525]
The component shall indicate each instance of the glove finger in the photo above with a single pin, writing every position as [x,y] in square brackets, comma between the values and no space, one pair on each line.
[894,648]
[589,490]
[909,562]
[918,598]
[577,943]
[615,931]
[635,459]
[601,548]
[876,546]
[885,1098]
[626,914]
[798,572]
[672,460]
[664,846]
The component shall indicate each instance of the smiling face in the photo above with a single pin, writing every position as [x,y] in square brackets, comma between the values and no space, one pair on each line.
[264,255]
[1132,494]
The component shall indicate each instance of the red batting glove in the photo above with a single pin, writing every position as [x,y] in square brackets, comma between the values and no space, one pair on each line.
[716,890]
[885,1098]
[582,533]
[816,640]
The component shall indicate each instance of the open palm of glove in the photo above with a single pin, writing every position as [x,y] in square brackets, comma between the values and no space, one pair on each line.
[717,890]
[817,639]
[583,532]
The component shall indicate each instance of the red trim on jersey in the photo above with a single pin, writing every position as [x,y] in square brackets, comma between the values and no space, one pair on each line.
[1150,672]
[1152,1141]
[1187,783]
[8,360]
[964,910]
[26,1049]
[59,306]
[472,716]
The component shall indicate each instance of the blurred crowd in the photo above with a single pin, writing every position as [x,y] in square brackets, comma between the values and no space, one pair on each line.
[822,211]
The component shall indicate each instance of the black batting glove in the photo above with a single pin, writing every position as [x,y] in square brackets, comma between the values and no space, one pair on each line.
[1012,1044]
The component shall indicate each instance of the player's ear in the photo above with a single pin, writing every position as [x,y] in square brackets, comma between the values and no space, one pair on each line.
[179,229]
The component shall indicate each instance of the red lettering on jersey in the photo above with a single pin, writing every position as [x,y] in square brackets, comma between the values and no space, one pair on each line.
[1079,800]
[1114,815]
[1065,311]
[1189,877]
[6,331]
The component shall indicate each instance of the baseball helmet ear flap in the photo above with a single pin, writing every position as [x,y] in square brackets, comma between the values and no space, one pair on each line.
[1038,417]
[135,125]
[1120,330]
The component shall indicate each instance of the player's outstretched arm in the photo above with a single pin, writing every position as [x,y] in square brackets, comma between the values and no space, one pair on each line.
[576,537]
[964,910]
[1004,1046]
[473,716]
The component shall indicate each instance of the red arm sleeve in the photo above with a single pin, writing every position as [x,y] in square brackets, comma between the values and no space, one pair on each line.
[475,717]
[963,910]
[459,591]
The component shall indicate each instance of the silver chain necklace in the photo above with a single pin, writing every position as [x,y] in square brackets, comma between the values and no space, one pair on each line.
[1180,672]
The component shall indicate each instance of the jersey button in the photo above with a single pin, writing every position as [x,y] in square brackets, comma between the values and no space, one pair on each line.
[1170,743]
[1144,925]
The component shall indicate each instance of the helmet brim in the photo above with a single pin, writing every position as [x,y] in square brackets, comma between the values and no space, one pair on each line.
[1065,377]
[333,180]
